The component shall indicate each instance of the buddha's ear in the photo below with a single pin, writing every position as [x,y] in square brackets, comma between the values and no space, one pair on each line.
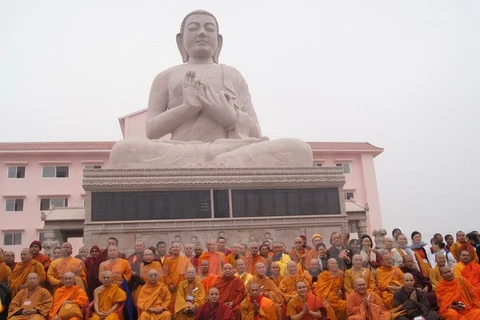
[219,48]
[181,48]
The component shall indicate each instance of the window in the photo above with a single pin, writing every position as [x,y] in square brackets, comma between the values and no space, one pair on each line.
[47,204]
[55,172]
[318,164]
[12,238]
[14,205]
[349,195]
[346,167]
[93,166]
[16,172]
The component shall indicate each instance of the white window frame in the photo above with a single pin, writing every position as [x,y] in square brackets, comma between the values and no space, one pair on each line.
[345,165]
[55,173]
[16,172]
[50,204]
[14,236]
[14,204]
[346,195]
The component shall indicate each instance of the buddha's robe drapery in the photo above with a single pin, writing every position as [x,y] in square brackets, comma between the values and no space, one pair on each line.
[5,272]
[106,299]
[39,299]
[287,285]
[295,306]
[267,287]
[435,277]
[328,287]
[154,296]
[75,294]
[208,281]
[356,309]
[251,261]
[470,271]
[266,310]
[231,289]
[60,266]
[458,289]
[183,291]
[216,261]
[351,275]
[120,269]
[21,271]
[277,280]
[388,276]
[458,247]
[219,311]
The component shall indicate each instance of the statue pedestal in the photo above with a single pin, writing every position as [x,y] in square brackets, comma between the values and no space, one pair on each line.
[196,204]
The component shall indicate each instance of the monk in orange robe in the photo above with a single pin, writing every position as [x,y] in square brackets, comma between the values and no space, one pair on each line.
[435,276]
[234,255]
[467,269]
[461,244]
[5,271]
[35,248]
[307,306]
[267,286]
[145,267]
[206,278]
[457,298]
[120,268]
[276,273]
[190,296]
[69,300]
[329,288]
[389,279]
[362,305]
[241,273]
[298,252]
[288,284]
[107,298]
[31,303]
[66,263]
[175,267]
[358,271]
[154,299]
[253,258]
[215,258]
[18,279]
[256,306]
[231,289]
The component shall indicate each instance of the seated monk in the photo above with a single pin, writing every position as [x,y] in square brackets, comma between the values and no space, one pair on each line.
[362,305]
[18,279]
[457,298]
[69,300]
[241,273]
[231,289]
[467,269]
[206,107]
[32,302]
[154,299]
[306,306]
[146,266]
[329,288]
[107,298]
[435,276]
[389,279]
[275,274]
[213,308]
[256,306]
[267,287]
[288,284]
[206,278]
[175,266]
[421,282]
[358,271]
[190,295]
[412,301]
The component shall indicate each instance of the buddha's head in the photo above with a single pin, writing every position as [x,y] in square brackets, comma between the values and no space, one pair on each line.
[199,37]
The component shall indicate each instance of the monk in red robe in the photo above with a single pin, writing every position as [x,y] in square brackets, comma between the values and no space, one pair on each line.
[231,288]
[69,300]
[457,298]
[306,306]
[467,269]
[364,305]
[35,248]
[213,308]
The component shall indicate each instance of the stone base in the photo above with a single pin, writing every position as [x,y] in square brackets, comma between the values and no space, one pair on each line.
[240,204]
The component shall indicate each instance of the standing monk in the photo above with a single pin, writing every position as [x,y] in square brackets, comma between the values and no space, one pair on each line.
[31,303]
[176,267]
[231,289]
[215,258]
[18,279]
[5,271]
[190,295]
[389,279]
[154,299]
[66,263]
[253,258]
[457,298]
[467,269]
[329,288]
[461,244]
[119,268]
[107,298]
[241,272]
[234,255]
[136,258]
[205,276]
[35,248]
[362,305]
[69,300]
[10,259]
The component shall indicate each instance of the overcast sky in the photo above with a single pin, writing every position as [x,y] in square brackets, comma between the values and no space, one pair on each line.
[402,75]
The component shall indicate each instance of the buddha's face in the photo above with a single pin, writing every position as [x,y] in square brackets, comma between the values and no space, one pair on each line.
[200,36]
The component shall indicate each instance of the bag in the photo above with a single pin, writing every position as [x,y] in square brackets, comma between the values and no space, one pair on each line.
[70,310]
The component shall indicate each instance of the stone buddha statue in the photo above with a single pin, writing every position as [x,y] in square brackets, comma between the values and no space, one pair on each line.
[206,108]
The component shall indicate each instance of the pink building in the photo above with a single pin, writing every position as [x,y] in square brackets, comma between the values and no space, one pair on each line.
[42,183]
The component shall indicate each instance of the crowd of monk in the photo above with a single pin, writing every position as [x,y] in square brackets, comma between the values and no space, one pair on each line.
[350,279]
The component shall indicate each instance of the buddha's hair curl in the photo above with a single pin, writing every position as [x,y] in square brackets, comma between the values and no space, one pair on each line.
[182,27]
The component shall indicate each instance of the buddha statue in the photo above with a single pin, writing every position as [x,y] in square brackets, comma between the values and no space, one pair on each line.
[206,107]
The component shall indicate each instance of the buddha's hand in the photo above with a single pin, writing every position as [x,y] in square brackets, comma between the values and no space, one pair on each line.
[191,91]
[217,106]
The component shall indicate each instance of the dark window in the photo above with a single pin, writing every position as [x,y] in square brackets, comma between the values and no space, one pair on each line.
[12,238]
[14,205]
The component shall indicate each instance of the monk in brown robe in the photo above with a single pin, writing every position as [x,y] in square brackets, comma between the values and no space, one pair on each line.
[467,269]
[389,279]
[256,306]
[107,298]
[329,288]
[32,302]
[154,299]
[35,248]
[215,258]
[457,298]
[206,278]
[69,300]
[253,258]
[306,306]
[190,295]
[362,305]
[66,263]
[288,284]
[18,279]
[231,288]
